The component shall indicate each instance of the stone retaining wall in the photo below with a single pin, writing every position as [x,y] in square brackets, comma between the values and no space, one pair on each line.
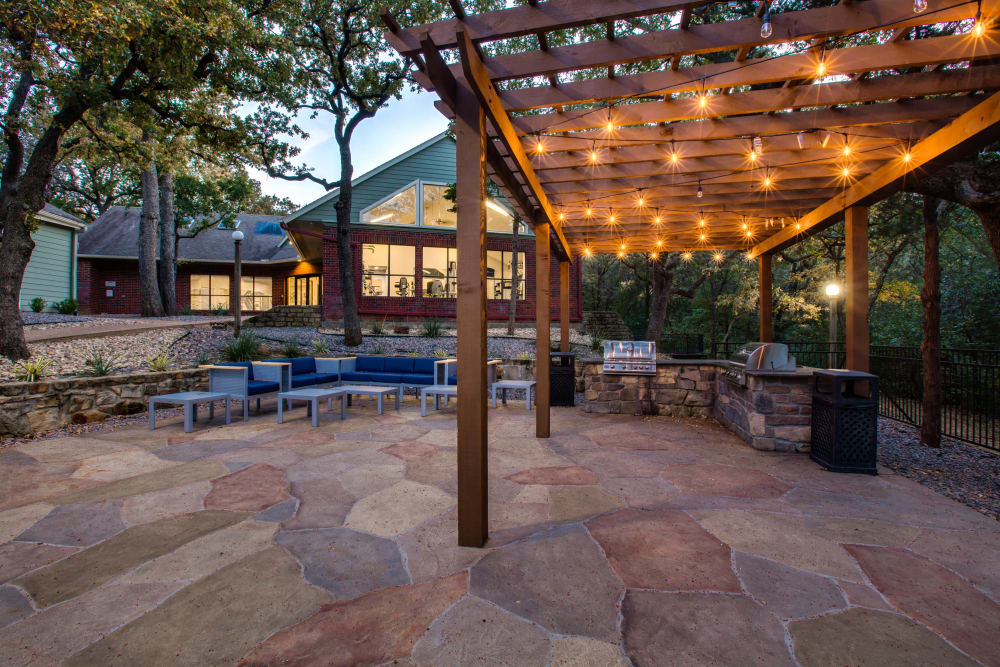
[287,316]
[27,408]
[773,412]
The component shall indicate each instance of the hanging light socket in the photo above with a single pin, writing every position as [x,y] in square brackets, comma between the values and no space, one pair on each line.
[766,29]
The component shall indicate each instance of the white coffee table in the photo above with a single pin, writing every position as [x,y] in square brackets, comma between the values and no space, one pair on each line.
[504,385]
[437,391]
[190,401]
[312,396]
[371,391]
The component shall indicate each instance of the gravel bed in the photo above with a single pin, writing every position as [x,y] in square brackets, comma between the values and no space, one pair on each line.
[32,318]
[965,473]
[66,321]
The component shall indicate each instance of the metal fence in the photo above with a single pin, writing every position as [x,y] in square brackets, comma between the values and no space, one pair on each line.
[970,384]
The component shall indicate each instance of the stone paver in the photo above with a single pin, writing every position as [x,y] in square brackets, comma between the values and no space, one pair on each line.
[664,551]
[540,579]
[345,562]
[653,539]
[700,629]
[866,637]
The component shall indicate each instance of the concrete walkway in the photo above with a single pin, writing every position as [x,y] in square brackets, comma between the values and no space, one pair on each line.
[106,328]
[620,539]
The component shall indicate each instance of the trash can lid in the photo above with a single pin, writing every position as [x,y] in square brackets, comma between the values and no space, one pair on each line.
[844,373]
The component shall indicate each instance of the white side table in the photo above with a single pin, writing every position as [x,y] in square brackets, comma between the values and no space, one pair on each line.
[190,401]
[504,385]
[312,396]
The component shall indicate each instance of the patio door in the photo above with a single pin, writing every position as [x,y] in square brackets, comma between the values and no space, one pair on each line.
[303,290]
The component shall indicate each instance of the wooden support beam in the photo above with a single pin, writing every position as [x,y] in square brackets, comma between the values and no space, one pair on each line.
[759,101]
[969,132]
[476,77]
[543,319]
[856,288]
[868,58]
[564,306]
[470,162]
[766,299]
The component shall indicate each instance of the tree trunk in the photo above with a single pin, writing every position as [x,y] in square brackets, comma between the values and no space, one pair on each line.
[930,346]
[989,216]
[513,279]
[15,251]
[149,292]
[663,281]
[345,256]
[167,269]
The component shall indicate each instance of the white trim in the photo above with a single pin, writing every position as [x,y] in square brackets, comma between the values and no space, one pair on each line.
[58,220]
[364,177]
[418,213]
[183,260]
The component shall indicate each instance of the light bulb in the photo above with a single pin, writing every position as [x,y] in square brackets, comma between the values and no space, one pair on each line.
[907,157]
[611,218]
[686,256]
[701,222]
[767,181]
[539,147]
[800,138]
[562,216]
[621,254]
[623,246]
[752,155]
[745,226]
[701,193]
[589,212]
[919,6]
[641,202]
[749,256]
[611,124]
[652,255]
[659,243]
[766,30]
[978,29]
[656,220]
[798,225]
[717,257]
[586,251]
[821,68]
[847,150]
[674,157]
[593,157]
[846,172]
[758,145]
[703,100]
[703,237]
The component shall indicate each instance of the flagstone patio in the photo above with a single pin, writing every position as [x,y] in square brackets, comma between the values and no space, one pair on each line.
[621,538]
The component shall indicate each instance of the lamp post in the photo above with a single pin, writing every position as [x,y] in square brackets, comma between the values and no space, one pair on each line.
[832,292]
[237,279]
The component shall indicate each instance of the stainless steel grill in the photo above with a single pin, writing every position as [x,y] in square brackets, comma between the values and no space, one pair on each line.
[771,357]
[630,357]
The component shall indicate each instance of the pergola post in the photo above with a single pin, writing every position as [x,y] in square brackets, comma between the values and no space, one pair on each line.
[766,300]
[543,317]
[563,306]
[470,132]
[856,288]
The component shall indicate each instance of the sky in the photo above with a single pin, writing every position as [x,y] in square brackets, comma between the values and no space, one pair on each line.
[395,129]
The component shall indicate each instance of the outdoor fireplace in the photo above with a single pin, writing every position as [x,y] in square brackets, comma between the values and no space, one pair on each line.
[629,357]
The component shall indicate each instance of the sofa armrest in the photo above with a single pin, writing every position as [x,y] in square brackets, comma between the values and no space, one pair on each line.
[348,364]
[230,380]
[441,370]
[491,371]
[329,364]
[274,371]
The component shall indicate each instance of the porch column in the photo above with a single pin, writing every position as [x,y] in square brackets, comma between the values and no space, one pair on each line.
[563,306]
[856,288]
[543,318]
[470,132]
[766,300]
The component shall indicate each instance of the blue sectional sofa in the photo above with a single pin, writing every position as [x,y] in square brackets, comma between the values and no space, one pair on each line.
[309,371]
[406,371]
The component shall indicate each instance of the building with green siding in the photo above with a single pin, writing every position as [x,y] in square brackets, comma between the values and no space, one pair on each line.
[51,271]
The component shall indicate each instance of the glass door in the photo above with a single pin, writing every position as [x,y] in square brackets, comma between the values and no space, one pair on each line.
[303,290]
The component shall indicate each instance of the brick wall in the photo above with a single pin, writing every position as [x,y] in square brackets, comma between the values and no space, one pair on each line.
[420,307]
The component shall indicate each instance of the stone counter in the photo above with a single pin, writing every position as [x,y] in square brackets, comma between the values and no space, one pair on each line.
[27,408]
[773,412]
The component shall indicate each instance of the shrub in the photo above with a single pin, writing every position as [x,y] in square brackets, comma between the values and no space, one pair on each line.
[38,304]
[244,348]
[431,329]
[204,358]
[67,306]
[185,311]
[31,370]
[442,354]
[378,327]
[596,343]
[378,349]
[526,356]
[291,349]
[221,311]
[98,364]
[161,362]
[320,347]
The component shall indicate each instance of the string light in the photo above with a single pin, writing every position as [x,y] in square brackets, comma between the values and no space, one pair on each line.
[674,157]
[820,69]
[686,256]
[846,172]
[623,246]
[611,219]
[539,147]
[611,122]
[907,157]
[586,251]
[801,139]
[977,26]
[562,216]
[656,220]
[659,243]
[701,193]
[593,155]
[653,256]
[766,29]
[847,149]
[767,182]
[589,212]
[703,237]
[919,6]
[752,155]
[749,256]
[758,144]
[717,256]
[640,201]
[701,219]
[621,254]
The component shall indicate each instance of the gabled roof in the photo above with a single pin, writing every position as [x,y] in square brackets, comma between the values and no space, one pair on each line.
[367,175]
[116,234]
[56,216]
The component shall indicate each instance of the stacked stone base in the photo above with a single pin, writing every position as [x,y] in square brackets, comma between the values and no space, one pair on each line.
[772,412]
[287,316]
[677,390]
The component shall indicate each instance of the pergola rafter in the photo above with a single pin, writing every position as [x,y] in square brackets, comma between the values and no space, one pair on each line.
[777,133]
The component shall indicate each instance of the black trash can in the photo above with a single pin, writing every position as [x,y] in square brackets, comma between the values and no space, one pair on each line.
[562,379]
[845,421]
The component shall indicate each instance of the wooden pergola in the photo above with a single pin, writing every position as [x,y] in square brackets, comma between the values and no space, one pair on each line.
[736,149]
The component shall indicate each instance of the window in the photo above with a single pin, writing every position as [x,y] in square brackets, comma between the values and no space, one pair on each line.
[400,209]
[440,272]
[436,213]
[500,274]
[209,292]
[498,218]
[255,292]
[388,270]
[302,290]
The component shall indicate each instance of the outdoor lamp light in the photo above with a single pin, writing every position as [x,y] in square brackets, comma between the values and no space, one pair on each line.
[833,290]
[237,280]
[237,236]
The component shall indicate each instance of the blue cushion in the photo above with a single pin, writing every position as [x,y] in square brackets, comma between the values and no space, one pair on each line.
[385,377]
[376,364]
[452,379]
[423,366]
[245,364]
[255,387]
[398,365]
[352,376]
[417,378]
[300,365]
[307,379]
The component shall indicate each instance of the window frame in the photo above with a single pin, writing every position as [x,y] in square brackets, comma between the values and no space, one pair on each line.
[389,275]
[252,299]
[211,293]
[448,279]
[521,282]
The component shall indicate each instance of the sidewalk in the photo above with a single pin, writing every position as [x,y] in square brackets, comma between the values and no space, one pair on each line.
[115,329]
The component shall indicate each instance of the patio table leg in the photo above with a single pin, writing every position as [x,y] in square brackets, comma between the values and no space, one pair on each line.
[399,397]
[493,390]
[314,404]
[527,398]
[228,413]
[343,406]
[437,401]
[246,408]
[281,405]
[380,403]
[423,403]
[194,412]
[211,410]
[190,416]
[503,395]
[152,414]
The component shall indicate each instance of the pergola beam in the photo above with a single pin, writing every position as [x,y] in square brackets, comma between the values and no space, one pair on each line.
[970,131]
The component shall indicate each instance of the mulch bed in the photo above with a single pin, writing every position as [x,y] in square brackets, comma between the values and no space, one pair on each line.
[966,473]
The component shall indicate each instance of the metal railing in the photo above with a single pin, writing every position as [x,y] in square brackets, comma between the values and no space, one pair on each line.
[970,384]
